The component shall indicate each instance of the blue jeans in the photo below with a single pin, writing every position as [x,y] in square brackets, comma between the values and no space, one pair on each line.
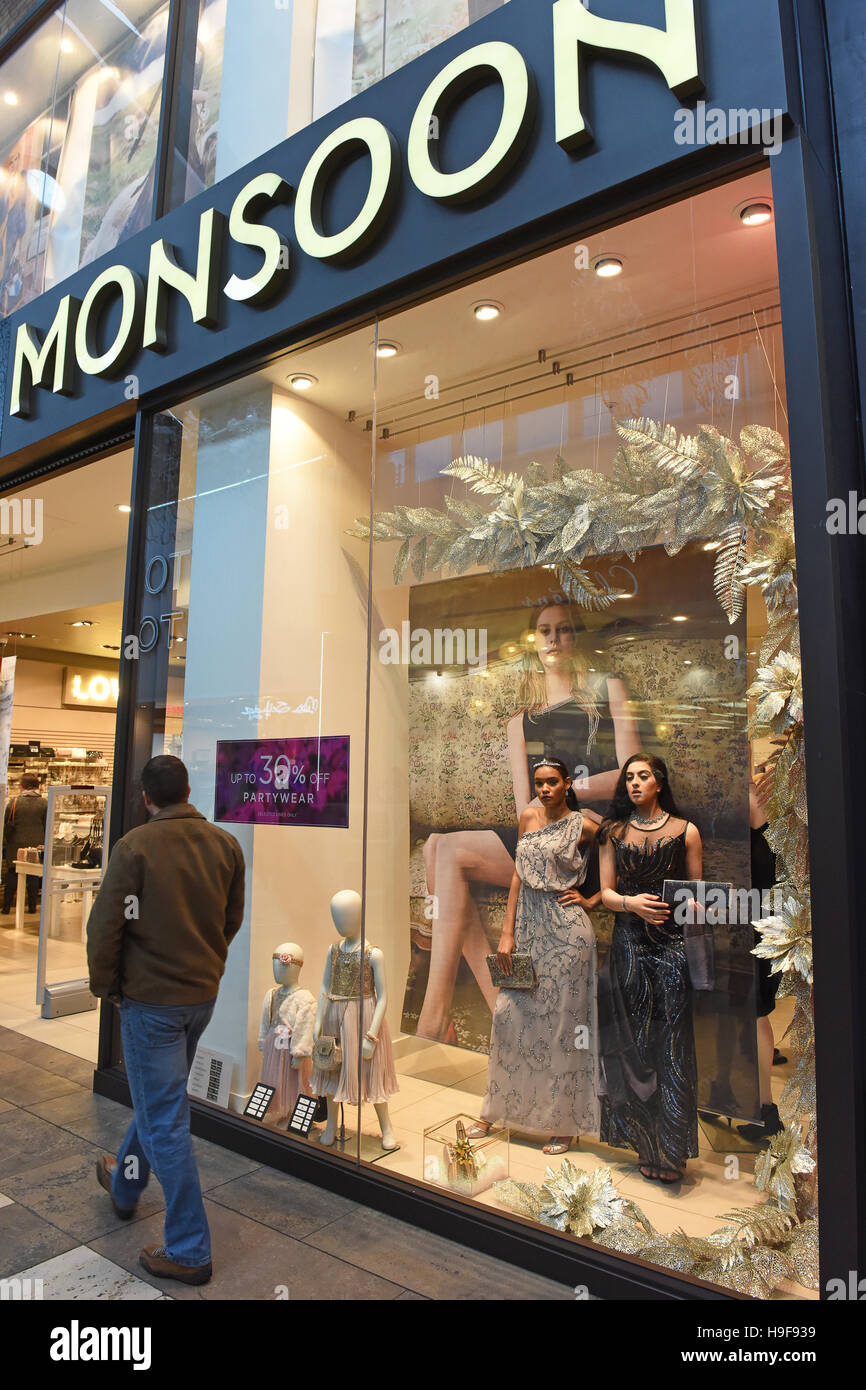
[159,1043]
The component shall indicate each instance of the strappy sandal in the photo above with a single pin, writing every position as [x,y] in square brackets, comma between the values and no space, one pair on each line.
[646,1171]
[479,1130]
[558,1145]
[679,1174]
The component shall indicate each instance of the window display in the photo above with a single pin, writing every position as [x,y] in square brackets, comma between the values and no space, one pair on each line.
[543,599]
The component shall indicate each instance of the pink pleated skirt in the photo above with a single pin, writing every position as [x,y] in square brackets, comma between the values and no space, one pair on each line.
[289,1082]
[343,1020]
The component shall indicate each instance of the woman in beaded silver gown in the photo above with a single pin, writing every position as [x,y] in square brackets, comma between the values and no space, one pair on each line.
[648,1069]
[543,1068]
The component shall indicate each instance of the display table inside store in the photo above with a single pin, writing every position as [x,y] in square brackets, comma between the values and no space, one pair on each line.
[23,868]
[59,880]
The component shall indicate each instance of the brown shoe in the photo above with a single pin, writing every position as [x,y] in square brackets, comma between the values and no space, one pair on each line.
[154,1259]
[105,1169]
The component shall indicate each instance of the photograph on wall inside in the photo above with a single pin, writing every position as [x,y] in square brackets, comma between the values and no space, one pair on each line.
[514,671]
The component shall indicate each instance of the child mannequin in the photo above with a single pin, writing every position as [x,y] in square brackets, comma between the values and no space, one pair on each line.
[286,1033]
[352,1002]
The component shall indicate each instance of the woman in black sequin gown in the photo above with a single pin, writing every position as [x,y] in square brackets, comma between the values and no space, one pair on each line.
[648,1071]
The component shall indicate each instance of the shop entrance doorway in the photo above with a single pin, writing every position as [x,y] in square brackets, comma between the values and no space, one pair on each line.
[62,566]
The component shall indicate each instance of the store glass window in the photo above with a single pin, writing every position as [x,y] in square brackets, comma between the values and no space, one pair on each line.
[79,120]
[309,56]
[530,586]
[598,583]
[253,669]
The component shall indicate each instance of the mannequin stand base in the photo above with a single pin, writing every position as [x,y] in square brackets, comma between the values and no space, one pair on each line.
[372,1148]
[722,1138]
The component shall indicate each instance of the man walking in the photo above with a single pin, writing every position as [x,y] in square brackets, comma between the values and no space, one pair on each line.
[171,901]
[23,828]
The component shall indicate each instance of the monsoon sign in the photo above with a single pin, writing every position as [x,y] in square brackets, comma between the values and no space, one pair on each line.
[283,781]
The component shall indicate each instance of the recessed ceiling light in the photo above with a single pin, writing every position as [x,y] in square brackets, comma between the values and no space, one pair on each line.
[22,634]
[756,214]
[387,349]
[124,507]
[66,45]
[10,98]
[680,618]
[81,622]
[687,663]
[487,310]
[608,266]
[302,381]
[180,639]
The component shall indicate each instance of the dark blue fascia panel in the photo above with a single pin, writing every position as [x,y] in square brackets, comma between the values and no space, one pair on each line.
[632,114]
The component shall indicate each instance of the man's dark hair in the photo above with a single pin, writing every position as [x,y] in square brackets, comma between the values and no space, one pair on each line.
[165,780]
[29,782]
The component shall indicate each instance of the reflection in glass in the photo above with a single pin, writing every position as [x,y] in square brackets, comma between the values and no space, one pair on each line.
[308,59]
[78,144]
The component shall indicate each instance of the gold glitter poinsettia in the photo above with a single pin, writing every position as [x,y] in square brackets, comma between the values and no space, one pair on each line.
[777,1166]
[778,690]
[786,940]
[575,1200]
[581,1201]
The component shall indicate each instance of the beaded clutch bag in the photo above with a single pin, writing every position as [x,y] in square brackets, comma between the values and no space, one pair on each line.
[327,1054]
[523,976]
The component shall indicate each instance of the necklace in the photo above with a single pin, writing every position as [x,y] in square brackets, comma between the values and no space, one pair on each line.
[651,823]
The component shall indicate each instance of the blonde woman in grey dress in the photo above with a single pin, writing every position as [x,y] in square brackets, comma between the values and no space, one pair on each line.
[543,1071]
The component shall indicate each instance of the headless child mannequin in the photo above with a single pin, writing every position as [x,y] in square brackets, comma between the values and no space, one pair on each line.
[352,1002]
[286,1033]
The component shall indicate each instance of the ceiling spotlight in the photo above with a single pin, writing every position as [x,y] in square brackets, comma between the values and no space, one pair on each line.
[81,622]
[756,214]
[124,507]
[21,634]
[302,381]
[679,618]
[10,98]
[387,349]
[66,45]
[485,311]
[608,266]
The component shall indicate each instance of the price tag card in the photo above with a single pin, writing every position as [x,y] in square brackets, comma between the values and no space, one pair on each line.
[302,1115]
[210,1076]
[259,1101]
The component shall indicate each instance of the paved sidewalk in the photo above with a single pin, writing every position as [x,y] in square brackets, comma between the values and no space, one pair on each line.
[273,1235]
